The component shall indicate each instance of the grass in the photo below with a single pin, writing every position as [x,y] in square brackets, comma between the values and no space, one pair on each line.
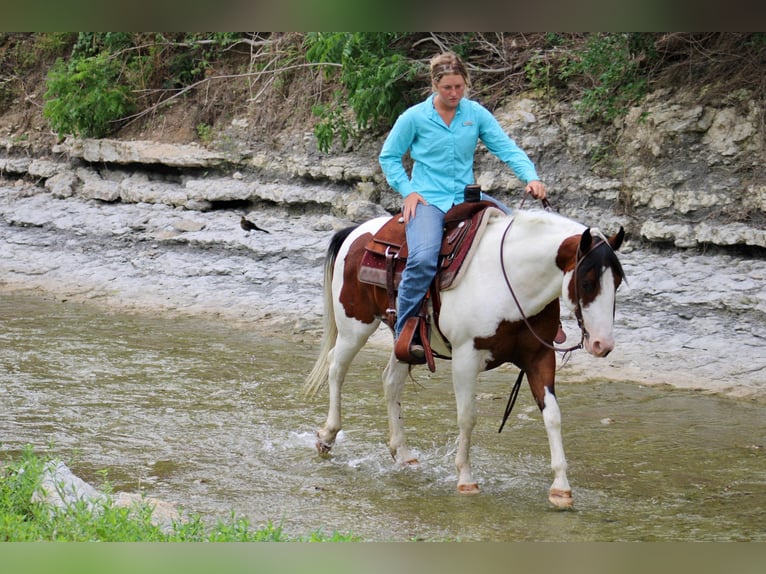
[22,519]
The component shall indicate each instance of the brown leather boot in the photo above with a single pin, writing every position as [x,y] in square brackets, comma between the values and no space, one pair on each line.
[408,347]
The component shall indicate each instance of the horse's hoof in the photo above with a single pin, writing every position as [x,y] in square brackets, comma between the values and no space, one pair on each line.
[411,461]
[560,498]
[323,448]
[470,488]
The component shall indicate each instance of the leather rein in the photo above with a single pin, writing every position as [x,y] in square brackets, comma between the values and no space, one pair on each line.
[579,258]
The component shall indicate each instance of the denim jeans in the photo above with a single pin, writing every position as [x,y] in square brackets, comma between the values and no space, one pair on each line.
[424,239]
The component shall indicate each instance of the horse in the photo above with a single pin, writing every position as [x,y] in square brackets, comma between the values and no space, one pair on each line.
[504,309]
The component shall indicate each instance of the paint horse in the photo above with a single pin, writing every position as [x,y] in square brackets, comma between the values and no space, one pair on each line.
[504,309]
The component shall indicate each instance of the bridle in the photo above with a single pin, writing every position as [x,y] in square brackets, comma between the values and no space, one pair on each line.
[579,258]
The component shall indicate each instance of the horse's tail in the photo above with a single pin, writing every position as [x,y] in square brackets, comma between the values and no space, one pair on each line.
[318,375]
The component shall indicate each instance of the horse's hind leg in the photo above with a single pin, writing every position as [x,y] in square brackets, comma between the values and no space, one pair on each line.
[340,357]
[394,377]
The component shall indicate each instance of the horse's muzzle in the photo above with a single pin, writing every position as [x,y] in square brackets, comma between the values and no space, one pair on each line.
[598,347]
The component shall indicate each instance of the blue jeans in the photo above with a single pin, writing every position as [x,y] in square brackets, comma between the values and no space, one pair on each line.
[424,239]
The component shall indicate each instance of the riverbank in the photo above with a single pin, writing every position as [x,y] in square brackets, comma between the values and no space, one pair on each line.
[42,501]
[685,319]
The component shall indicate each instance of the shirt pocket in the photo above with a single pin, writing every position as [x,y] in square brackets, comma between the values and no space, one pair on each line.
[466,138]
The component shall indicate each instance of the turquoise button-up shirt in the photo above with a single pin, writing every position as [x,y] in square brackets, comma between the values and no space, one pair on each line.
[443,156]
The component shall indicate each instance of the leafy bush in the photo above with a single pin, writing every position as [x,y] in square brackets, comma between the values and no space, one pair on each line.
[376,77]
[94,43]
[107,72]
[85,96]
[611,67]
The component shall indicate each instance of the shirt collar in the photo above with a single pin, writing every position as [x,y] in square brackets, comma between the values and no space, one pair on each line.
[432,108]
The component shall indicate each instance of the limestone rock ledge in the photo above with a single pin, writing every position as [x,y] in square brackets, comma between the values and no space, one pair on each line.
[673,171]
[148,153]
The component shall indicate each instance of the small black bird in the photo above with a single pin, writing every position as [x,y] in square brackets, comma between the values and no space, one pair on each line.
[249,226]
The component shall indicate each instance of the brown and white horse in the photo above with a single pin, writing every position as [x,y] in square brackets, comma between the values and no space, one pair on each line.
[505,308]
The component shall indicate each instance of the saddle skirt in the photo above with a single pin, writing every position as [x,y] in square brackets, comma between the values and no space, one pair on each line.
[464,225]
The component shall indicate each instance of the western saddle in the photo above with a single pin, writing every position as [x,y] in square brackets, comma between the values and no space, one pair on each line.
[385,257]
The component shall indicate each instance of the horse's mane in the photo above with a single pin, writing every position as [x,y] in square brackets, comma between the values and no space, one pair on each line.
[541,216]
[545,217]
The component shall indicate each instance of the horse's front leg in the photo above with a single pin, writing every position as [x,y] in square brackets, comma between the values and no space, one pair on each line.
[542,385]
[560,493]
[394,377]
[464,373]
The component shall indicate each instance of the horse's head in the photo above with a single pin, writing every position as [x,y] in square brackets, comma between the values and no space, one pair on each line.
[590,284]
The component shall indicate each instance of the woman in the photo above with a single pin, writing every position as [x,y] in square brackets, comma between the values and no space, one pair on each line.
[441,135]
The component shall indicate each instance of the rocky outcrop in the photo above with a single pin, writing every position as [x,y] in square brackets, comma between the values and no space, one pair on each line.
[147,153]
[62,489]
[679,172]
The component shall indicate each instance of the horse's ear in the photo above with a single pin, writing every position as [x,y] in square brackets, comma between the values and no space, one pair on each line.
[585,241]
[616,240]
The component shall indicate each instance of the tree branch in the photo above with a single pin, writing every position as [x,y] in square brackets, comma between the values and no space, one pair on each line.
[132,118]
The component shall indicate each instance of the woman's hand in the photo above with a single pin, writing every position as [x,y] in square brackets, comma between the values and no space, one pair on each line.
[411,204]
[536,189]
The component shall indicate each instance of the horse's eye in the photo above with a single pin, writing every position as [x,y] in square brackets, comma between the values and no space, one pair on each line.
[588,287]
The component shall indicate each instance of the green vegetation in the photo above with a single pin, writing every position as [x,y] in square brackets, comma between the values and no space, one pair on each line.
[376,79]
[608,72]
[23,520]
[347,85]
[85,96]
[612,68]
[108,75]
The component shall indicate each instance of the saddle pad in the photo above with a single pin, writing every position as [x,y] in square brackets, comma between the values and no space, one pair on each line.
[389,240]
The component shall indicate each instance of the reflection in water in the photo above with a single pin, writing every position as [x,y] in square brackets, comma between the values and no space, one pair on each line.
[212,418]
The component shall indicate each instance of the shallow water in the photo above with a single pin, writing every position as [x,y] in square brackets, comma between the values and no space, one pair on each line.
[212,418]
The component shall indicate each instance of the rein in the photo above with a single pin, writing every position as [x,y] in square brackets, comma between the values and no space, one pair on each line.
[578,312]
[579,257]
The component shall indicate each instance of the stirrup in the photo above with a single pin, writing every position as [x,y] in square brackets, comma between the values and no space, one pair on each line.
[417,352]
[406,348]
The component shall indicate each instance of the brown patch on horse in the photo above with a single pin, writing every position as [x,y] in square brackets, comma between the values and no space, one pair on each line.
[513,342]
[360,300]
[567,254]
[585,282]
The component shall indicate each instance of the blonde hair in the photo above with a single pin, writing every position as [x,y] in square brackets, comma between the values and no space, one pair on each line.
[448,63]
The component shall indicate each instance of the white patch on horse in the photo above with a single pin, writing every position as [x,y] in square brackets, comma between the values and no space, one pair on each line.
[552,419]
[599,316]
